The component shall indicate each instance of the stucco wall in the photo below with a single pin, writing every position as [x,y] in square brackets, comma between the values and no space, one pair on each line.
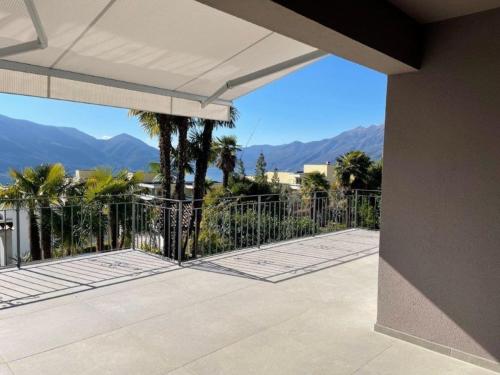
[439,276]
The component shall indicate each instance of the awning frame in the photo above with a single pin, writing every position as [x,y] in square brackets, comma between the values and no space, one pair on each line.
[263,73]
[40,43]
[80,77]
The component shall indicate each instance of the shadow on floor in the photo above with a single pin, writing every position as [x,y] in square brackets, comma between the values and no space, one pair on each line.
[271,263]
[284,261]
[48,280]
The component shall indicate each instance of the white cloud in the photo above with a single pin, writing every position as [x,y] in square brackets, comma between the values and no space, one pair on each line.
[106,137]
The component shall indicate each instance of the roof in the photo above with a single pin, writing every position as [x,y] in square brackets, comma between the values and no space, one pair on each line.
[155,55]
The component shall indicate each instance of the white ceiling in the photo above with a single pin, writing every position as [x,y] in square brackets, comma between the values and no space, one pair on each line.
[177,45]
[437,10]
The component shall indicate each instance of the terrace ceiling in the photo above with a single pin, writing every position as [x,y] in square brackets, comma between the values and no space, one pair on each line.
[156,55]
[426,11]
[385,35]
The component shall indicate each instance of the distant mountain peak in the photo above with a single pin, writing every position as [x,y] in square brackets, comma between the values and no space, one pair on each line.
[123,136]
[25,143]
[292,156]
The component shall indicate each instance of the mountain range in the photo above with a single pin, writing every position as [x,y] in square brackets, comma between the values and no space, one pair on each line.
[292,156]
[24,143]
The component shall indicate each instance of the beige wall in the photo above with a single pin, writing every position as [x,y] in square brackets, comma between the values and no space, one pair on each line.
[327,169]
[288,178]
[439,276]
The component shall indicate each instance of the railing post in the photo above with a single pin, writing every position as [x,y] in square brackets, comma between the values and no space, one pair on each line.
[314,214]
[179,233]
[355,208]
[18,236]
[133,222]
[259,199]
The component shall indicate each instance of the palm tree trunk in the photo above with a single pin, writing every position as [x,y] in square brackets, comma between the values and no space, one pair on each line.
[165,145]
[225,178]
[183,126]
[199,180]
[35,249]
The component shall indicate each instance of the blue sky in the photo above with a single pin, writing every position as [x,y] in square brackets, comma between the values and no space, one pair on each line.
[316,102]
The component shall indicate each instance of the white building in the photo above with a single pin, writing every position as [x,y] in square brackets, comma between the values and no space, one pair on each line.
[8,236]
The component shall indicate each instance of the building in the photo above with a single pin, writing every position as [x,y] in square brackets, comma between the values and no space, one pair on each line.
[8,236]
[82,175]
[327,169]
[294,179]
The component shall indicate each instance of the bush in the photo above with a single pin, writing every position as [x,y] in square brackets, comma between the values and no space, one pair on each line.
[228,226]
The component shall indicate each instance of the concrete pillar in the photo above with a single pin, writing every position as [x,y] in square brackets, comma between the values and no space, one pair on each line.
[439,277]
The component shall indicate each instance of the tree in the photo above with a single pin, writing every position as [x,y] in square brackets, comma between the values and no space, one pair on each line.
[375,175]
[205,152]
[314,189]
[37,188]
[226,149]
[209,184]
[240,168]
[159,124]
[260,170]
[104,187]
[154,167]
[182,124]
[352,170]
[188,168]
[314,182]
[275,181]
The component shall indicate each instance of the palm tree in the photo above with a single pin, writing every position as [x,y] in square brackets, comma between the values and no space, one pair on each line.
[204,154]
[182,124]
[209,184]
[352,170]
[37,188]
[67,217]
[314,189]
[154,167]
[226,149]
[104,188]
[314,182]
[188,168]
[159,124]
[375,175]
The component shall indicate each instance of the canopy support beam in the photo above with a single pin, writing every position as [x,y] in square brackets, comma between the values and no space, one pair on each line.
[263,73]
[40,43]
[79,77]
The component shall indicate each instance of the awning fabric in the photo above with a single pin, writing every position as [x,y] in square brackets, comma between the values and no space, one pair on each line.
[165,56]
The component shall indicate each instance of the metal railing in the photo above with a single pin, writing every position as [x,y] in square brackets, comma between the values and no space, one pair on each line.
[178,230]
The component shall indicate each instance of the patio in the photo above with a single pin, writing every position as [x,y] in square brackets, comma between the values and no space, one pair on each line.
[201,319]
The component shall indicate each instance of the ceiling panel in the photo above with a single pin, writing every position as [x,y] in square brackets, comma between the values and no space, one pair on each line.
[437,10]
[150,43]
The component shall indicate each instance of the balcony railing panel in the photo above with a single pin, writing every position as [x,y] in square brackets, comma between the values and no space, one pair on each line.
[177,230]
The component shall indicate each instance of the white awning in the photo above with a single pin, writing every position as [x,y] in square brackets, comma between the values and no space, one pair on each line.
[171,56]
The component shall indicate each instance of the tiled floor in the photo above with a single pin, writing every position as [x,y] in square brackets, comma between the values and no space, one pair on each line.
[192,321]
[46,280]
[284,261]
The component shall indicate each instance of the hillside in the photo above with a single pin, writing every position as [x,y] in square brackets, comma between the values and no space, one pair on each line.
[24,143]
[292,156]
